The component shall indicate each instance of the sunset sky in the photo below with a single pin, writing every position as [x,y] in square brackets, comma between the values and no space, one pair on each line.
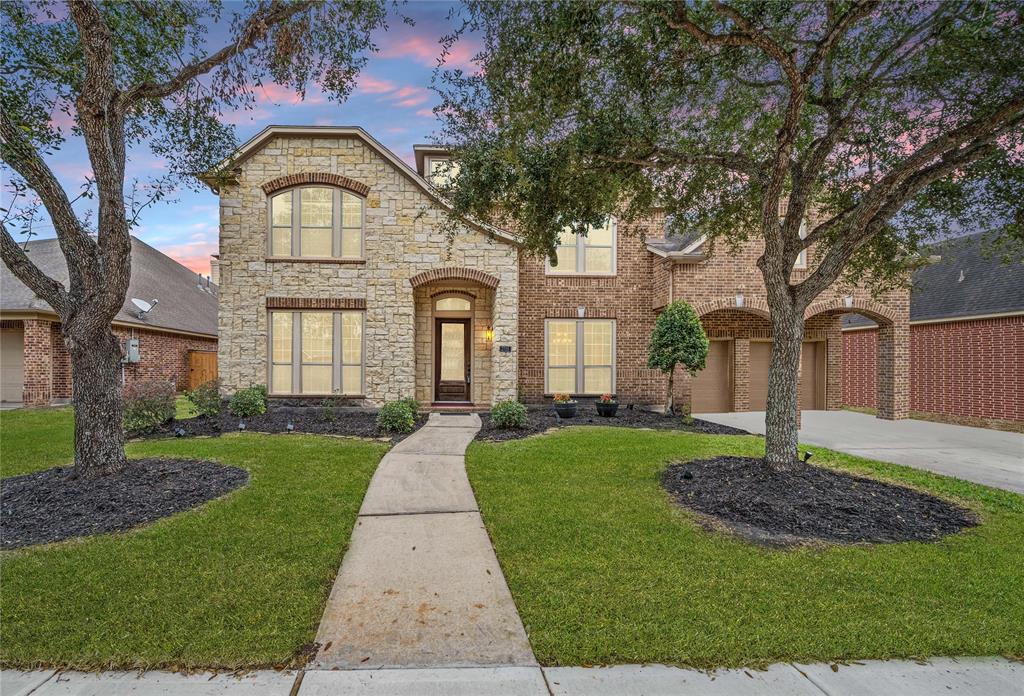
[392,101]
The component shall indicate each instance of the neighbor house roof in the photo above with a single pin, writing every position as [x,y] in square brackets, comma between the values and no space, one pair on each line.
[967,281]
[187,301]
[679,246]
[230,165]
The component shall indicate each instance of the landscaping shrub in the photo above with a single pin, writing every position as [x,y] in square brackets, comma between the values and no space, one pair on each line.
[397,416]
[249,402]
[205,398]
[412,403]
[147,404]
[508,414]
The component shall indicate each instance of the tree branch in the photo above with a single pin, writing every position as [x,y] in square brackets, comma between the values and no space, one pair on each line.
[254,30]
[52,292]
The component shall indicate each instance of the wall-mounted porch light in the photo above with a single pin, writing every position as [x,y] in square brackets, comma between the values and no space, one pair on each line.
[739,299]
[489,333]
[848,301]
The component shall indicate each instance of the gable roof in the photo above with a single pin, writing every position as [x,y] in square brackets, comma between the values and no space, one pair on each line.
[256,143]
[967,281]
[188,302]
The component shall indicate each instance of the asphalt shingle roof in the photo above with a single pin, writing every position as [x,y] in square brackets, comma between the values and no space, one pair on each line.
[967,281]
[187,302]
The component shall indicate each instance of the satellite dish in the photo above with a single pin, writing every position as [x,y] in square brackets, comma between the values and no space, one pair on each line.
[143,306]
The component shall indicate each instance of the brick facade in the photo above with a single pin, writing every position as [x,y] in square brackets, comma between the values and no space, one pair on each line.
[959,369]
[163,355]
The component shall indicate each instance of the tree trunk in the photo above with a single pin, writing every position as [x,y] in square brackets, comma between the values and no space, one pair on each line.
[669,400]
[96,392]
[783,374]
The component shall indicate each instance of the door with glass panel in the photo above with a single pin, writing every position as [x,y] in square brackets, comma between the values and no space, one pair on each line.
[451,359]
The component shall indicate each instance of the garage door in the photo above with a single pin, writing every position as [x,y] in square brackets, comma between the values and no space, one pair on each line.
[712,387]
[12,364]
[812,376]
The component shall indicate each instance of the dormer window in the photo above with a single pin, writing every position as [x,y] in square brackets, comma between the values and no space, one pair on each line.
[316,222]
[590,255]
[441,171]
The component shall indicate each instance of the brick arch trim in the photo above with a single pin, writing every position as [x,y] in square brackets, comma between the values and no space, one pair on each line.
[445,293]
[754,305]
[300,178]
[454,273]
[873,310]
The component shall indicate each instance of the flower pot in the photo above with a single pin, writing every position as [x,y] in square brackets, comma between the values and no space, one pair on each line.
[607,408]
[565,409]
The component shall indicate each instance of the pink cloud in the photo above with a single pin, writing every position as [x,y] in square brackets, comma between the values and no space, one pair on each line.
[427,51]
[372,85]
[194,256]
[276,94]
[410,96]
[426,113]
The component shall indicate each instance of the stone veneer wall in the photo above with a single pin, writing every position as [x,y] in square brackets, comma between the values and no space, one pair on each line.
[402,238]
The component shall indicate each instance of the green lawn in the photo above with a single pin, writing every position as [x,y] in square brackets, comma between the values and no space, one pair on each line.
[240,581]
[605,569]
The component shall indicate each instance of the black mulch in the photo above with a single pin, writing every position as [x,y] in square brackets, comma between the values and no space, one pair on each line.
[809,503]
[543,418]
[315,419]
[54,504]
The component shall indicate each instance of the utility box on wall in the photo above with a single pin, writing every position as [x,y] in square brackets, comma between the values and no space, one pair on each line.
[131,352]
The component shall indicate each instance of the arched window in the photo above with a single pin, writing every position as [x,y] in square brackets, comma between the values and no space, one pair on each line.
[452,304]
[316,222]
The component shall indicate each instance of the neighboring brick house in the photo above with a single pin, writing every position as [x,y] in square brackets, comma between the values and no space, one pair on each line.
[337,276]
[34,362]
[966,338]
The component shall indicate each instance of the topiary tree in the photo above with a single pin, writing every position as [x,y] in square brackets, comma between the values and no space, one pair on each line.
[678,339]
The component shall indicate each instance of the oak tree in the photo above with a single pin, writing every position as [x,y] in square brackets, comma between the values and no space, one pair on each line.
[891,121]
[133,74]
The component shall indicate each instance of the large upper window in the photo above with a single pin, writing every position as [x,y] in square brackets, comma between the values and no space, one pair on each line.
[316,352]
[441,171]
[593,254]
[579,356]
[316,222]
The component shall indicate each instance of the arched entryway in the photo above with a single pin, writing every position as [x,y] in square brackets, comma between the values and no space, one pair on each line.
[454,336]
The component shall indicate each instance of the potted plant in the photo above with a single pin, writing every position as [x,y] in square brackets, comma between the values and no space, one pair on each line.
[565,406]
[607,406]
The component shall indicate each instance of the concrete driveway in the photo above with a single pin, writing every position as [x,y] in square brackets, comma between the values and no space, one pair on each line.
[991,457]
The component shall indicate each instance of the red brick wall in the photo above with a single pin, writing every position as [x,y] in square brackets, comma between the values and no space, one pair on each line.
[48,364]
[972,369]
[626,297]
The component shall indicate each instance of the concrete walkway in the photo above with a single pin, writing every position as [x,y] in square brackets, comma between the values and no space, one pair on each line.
[420,585]
[965,676]
[990,457]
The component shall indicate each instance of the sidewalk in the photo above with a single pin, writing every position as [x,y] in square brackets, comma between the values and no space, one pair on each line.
[420,585]
[961,676]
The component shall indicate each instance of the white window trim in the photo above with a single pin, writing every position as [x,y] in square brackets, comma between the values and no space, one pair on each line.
[336,357]
[337,223]
[581,256]
[579,366]
[801,259]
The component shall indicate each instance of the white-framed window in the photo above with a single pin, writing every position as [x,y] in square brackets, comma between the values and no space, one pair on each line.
[579,356]
[316,222]
[801,259]
[590,255]
[441,171]
[316,352]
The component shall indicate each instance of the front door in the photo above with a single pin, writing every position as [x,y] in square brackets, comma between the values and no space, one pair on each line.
[451,360]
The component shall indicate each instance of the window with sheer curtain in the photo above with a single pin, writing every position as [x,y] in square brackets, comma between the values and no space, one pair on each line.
[316,222]
[316,352]
[593,254]
[579,356]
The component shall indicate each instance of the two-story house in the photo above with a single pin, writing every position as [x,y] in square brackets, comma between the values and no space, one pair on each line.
[337,278]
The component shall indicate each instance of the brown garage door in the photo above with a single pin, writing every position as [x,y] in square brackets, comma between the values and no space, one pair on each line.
[712,387]
[812,376]
[760,356]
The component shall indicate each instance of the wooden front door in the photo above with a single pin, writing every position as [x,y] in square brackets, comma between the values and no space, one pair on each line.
[202,367]
[451,360]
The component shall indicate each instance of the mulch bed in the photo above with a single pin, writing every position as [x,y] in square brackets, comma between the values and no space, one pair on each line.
[54,504]
[314,419]
[809,503]
[543,418]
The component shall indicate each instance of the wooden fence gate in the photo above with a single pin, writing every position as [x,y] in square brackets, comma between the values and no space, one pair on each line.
[202,367]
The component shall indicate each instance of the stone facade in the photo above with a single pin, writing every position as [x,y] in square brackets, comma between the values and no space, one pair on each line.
[403,238]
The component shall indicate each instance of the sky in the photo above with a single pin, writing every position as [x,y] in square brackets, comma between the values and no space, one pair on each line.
[392,101]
